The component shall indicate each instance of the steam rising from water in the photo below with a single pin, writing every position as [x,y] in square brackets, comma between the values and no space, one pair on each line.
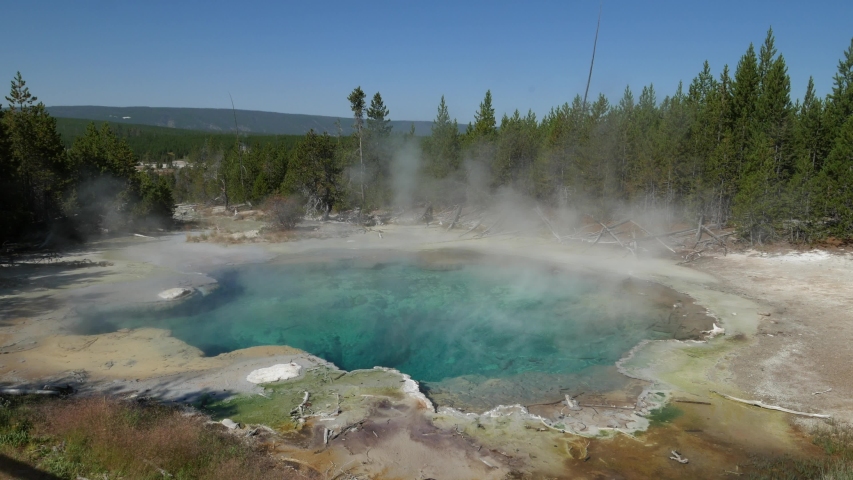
[474,322]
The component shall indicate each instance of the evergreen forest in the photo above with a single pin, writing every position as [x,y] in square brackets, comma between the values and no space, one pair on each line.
[731,146]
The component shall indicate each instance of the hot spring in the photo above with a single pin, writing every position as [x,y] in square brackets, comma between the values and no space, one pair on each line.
[474,331]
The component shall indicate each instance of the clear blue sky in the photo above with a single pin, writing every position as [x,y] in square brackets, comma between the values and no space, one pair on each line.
[306,56]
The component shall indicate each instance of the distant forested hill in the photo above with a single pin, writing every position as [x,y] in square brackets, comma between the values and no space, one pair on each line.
[222,120]
[152,144]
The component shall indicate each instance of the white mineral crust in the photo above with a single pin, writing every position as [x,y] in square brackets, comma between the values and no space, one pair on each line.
[174,293]
[275,373]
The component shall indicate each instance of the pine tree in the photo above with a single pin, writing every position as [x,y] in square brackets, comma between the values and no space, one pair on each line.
[743,103]
[834,186]
[35,156]
[811,149]
[485,124]
[377,153]
[314,171]
[442,148]
[517,147]
[357,104]
[760,204]
[839,106]
[378,123]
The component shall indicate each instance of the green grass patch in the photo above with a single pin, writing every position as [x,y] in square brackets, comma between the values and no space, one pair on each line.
[663,415]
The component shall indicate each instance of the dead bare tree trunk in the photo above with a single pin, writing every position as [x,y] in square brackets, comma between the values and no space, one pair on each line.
[455,217]
[699,230]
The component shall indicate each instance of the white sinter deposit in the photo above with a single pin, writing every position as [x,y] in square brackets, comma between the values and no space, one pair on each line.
[175,293]
[275,373]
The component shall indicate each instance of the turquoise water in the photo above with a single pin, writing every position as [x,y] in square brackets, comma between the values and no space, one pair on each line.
[473,321]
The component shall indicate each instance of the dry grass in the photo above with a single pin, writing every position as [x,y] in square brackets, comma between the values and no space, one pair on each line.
[96,437]
[836,440]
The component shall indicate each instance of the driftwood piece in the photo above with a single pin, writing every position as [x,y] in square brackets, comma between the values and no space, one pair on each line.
[758,403]
[607,406]
[550,227]
[455,217]
[300,409]
[697,402]
[678,458]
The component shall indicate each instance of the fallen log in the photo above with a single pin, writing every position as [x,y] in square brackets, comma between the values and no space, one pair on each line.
[678,458]
[486,231]
[650,233]
[718,239]
[605,227]
[697,402]
[300,409]
[472,228]
[759,403]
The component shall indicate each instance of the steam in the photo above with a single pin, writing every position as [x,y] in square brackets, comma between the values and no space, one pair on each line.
[405,172]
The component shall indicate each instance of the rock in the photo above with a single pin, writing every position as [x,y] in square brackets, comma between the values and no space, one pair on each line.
[230,424]
[175,293]
[275,373]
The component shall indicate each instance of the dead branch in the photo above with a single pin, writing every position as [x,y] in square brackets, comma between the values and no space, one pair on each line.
[758,403]
[718,239]
[697,402]
[656,238]
[300,409]
[608,229]
[486,231]
[472,228]
[550,227]
[606,406]
[678,458]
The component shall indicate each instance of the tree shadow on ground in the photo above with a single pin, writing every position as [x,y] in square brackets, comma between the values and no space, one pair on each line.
[20,287]
[171,390]
[11,468]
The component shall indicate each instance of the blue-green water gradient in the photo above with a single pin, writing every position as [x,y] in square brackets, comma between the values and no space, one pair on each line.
[489,321]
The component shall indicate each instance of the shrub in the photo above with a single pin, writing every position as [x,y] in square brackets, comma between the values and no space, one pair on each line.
[104,437]
[285,212]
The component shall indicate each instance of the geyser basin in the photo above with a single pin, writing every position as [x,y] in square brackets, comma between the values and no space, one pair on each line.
[475,333]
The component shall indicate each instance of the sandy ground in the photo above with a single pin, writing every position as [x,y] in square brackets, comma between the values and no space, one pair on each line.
[785,358]
[802,347]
